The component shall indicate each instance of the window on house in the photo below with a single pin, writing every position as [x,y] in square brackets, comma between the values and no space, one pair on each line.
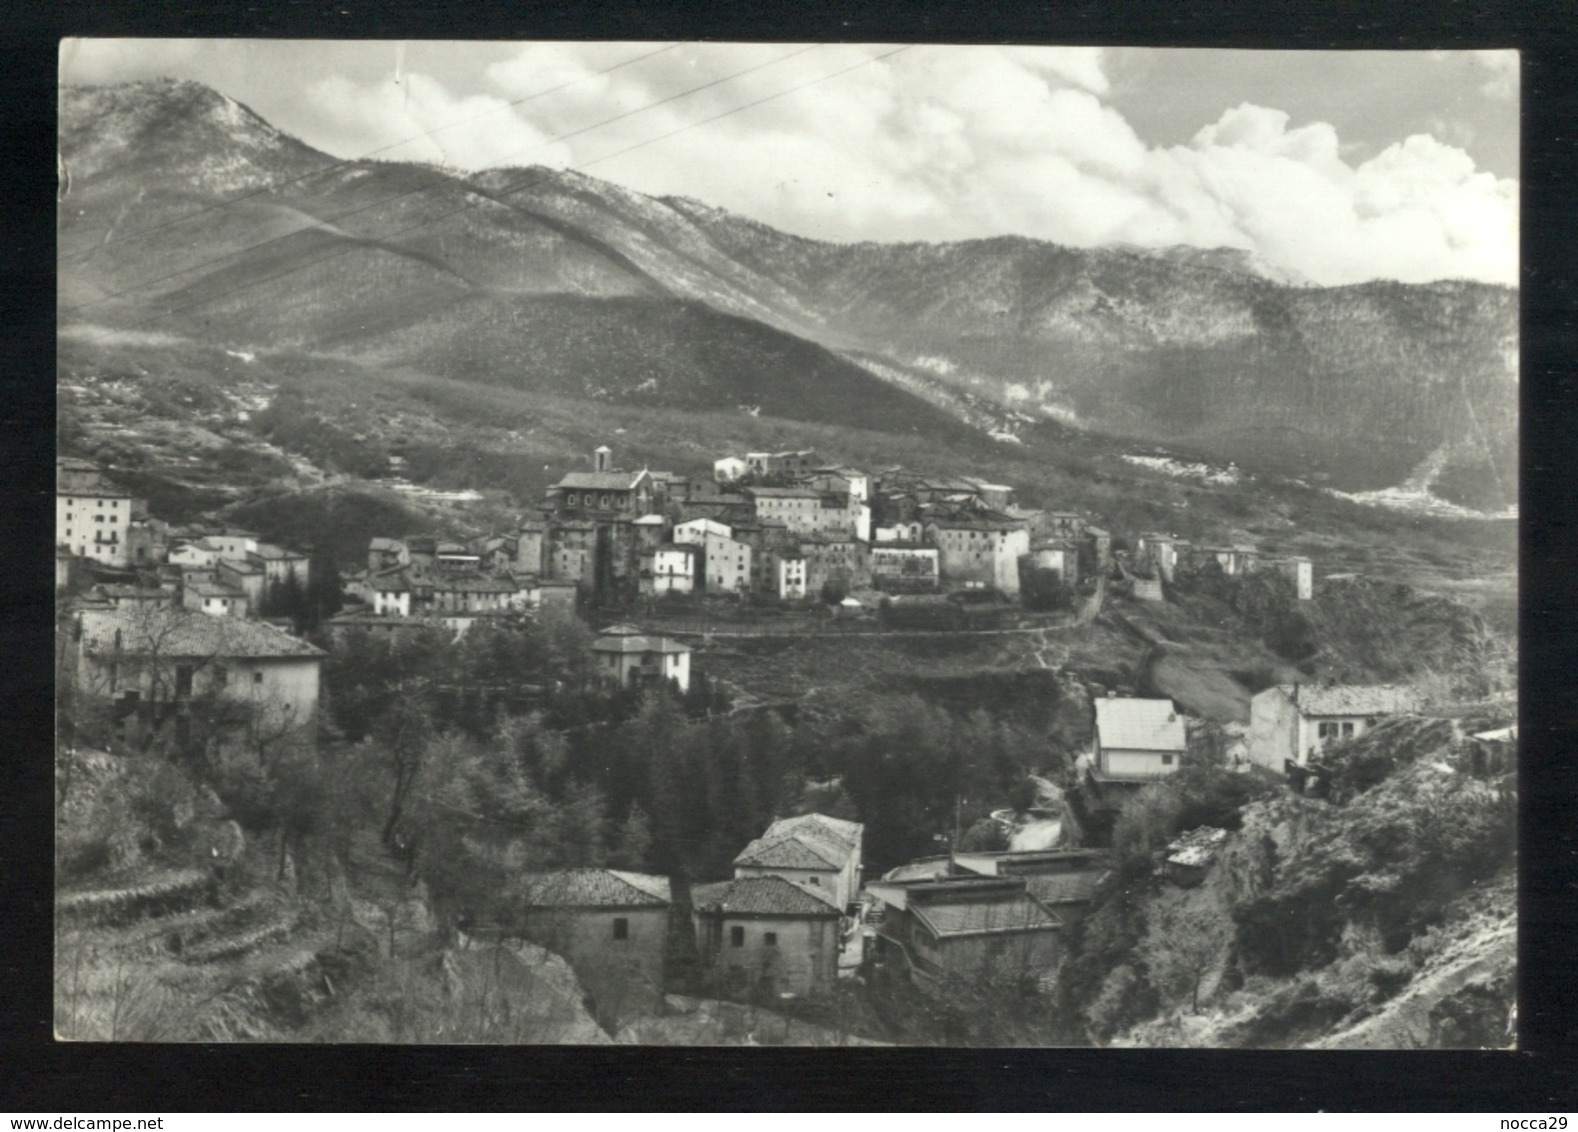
[736,937]
[257,677]
[1167,760]
[221,676]
[816,881]
[183,680]
[1347,730]
[1327,730]
[621,928]
[770,939]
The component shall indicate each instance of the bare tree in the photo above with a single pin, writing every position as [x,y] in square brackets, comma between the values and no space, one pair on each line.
[1182,947]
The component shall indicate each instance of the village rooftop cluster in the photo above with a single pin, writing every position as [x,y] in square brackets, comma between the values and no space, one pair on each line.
[781,527]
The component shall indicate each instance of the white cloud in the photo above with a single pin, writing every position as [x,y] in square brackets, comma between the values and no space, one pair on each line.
[938,143]
[417,119]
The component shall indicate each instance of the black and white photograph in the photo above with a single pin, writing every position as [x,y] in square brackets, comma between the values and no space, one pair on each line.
[799,544]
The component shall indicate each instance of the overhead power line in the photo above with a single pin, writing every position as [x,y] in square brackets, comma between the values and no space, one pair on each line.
[343,162]
[439,181]
[494,197]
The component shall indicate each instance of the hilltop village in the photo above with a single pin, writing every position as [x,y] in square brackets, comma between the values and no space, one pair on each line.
[157,618]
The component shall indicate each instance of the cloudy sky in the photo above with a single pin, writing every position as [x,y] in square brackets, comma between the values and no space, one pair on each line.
[1336,167]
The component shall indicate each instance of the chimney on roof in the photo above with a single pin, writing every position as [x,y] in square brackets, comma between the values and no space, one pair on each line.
[601,457]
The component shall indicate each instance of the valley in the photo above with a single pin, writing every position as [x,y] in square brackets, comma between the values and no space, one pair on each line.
[398,376]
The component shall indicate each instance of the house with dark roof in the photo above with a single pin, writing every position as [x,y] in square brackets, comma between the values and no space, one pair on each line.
[767,935]
[1064,880]
[811,849]
[1137,740]
[633,658]
[603,493]
[155,660]
[963,927]
[1292,723]
[611,926]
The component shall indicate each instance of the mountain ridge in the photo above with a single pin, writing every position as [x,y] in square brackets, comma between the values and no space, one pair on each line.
[1172,346]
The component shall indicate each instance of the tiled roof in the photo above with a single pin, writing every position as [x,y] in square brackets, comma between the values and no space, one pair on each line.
[959,915]
[214,589]
[808,841]
[595,888]
[1065,888]
[762,896]
[601,481]
[787,851]
[1349,699]
[641,644]
[783,493]
[1140,725]
[182,633]
[278,553]
[650,521]
[115,589]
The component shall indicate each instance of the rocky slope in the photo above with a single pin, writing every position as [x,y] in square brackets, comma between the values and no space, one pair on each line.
[1382,914]
[187,212]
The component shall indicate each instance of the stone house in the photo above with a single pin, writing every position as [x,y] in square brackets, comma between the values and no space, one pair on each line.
[159,658]
[246,576]
[1060,554]
[767,935]
[843,480]
[386,554]
[840,558]
[612,928]
[980,551]
[1292,723]
[531,546]
[278,563]
[1137,739]
[811,849]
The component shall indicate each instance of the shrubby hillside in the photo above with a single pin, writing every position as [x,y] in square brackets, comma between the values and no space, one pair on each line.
[1380,912]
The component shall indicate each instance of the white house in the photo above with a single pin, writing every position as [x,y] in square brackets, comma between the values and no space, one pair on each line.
[391,594]
[673,569]
[1289,723]
[92,521]
[1138,739]
[633,658]
[728,469]
[790,569]
[696,531]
